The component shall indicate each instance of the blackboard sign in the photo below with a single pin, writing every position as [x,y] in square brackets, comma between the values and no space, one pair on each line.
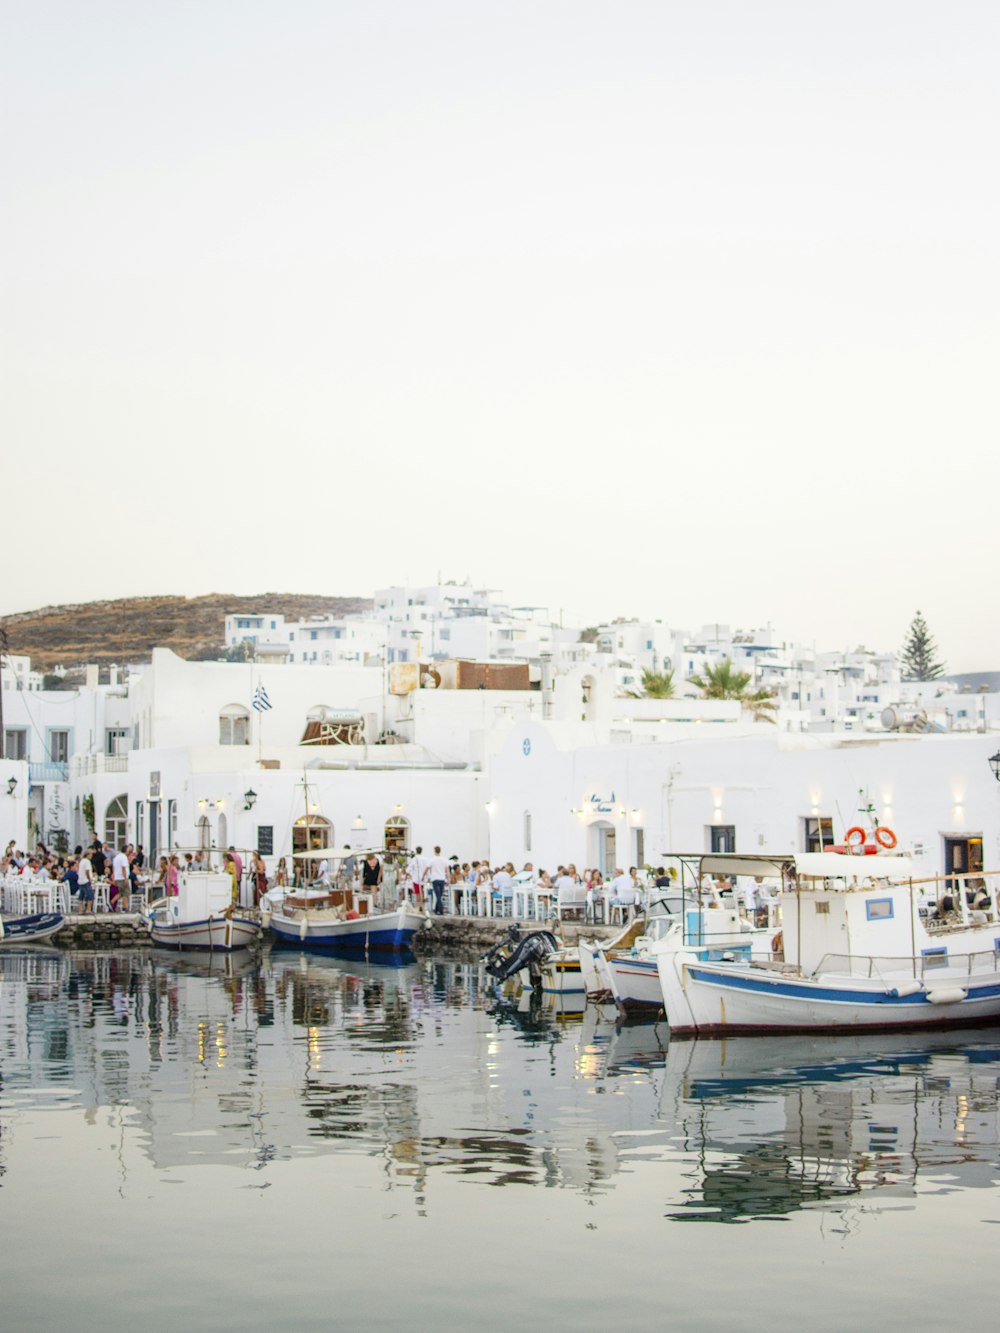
[265,839]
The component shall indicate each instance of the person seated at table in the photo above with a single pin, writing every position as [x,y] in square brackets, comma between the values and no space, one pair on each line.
[622,889]
[71,877]
[503,884]
[946,905]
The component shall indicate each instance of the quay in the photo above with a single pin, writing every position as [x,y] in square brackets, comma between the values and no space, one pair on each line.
[446,935]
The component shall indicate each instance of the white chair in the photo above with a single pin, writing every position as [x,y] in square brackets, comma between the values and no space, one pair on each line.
[524,897]
[102,896]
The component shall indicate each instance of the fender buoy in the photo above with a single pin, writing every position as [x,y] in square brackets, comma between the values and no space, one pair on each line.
[885,838]
[778,943]
[855,837]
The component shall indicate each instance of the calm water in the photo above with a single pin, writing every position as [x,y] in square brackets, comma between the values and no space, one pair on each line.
[309,1143]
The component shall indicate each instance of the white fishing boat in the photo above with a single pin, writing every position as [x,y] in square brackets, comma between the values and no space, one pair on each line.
[860,948]
[335,915]
[201,915]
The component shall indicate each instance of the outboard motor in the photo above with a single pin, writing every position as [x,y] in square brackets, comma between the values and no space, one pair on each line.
[512,954]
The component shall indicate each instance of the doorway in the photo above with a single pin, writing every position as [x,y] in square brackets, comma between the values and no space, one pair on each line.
[963,855]
[603,848]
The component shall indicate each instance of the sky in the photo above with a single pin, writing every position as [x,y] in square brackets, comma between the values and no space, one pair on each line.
[684,310]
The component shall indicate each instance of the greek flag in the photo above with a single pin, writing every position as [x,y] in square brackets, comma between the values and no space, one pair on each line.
[260,700]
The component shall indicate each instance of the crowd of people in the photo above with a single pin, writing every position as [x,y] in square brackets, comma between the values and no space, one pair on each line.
[124,871]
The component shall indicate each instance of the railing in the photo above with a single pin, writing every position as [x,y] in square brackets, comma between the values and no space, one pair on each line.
[48,772]
[85,764]
[983,962]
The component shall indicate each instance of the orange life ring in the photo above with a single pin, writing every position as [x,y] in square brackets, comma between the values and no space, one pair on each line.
[852,841]
[885,838]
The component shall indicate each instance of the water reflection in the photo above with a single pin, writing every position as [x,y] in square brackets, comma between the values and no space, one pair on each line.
[779,1125]
[230,1061]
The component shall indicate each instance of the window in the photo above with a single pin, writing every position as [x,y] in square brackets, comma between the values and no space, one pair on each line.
[116,822]
[879,909]
[15,743]
[234,725]
[116,740]
[171,825]
[722,838]
[817,832]
[527,830]
[59,747]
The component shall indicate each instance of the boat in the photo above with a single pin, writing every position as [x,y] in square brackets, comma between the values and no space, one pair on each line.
[625,970]
[859,948]
[336,916]
[201,915]
[27,929]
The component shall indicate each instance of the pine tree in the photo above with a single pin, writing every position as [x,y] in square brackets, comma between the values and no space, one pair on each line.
[918,661]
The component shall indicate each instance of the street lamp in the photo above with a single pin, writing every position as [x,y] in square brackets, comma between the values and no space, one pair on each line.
[994,763]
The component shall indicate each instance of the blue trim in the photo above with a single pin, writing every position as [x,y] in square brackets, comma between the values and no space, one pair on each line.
[825,993]
[879,902]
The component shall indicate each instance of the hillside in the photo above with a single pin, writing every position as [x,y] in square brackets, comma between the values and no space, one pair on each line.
[129,629]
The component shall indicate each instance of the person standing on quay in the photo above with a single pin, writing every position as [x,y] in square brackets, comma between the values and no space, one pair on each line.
[437,873]
[416,868]
[119,882]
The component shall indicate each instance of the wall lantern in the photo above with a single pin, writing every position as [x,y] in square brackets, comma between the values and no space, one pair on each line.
[249,798]
[11,786]
[994,763]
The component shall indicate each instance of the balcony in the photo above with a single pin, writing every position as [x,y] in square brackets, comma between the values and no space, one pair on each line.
[50,772]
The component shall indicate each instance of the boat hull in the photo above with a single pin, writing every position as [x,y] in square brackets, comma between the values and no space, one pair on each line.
[220,933]
[711,999]
[384,932]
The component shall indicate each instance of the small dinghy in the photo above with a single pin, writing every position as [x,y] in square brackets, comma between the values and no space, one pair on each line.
[25,929]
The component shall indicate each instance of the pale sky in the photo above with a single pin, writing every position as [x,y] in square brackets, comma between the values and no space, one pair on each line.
[682,309]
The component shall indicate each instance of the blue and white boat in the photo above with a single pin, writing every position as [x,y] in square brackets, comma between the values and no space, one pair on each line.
[339,919]
[859,950]
[201,915]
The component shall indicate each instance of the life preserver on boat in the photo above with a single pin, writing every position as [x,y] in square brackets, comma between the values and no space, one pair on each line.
[778,942]
[885,838]
[855,837]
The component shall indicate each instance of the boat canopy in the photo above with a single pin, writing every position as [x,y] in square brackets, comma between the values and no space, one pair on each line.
[334,853]
[835,865]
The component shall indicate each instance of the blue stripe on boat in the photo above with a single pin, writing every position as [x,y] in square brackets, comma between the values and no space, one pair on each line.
[808,992]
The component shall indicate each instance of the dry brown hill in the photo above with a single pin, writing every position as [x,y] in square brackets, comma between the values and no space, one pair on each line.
[128,630]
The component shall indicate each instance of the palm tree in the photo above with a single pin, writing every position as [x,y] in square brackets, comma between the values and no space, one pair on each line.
[725,682]
[658,684]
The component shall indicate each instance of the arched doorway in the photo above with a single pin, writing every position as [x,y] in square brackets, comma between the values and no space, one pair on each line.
[116,822]
[204,833]
[223,831]
[602,849]
[397,834]
[311,831]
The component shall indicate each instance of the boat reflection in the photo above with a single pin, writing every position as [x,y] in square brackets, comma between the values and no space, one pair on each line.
[778,1125]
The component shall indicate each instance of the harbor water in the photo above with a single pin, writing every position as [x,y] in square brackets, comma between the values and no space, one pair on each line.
[300,1142]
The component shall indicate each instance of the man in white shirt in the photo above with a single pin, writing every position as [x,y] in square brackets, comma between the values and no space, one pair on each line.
[416,869]
[85,879]
[622,889]
[437,874]
[119,881]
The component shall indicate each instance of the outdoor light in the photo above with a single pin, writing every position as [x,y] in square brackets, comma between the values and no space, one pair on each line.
[202,804]
[12,785]
[994,763]
[249,797]
[219,803]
